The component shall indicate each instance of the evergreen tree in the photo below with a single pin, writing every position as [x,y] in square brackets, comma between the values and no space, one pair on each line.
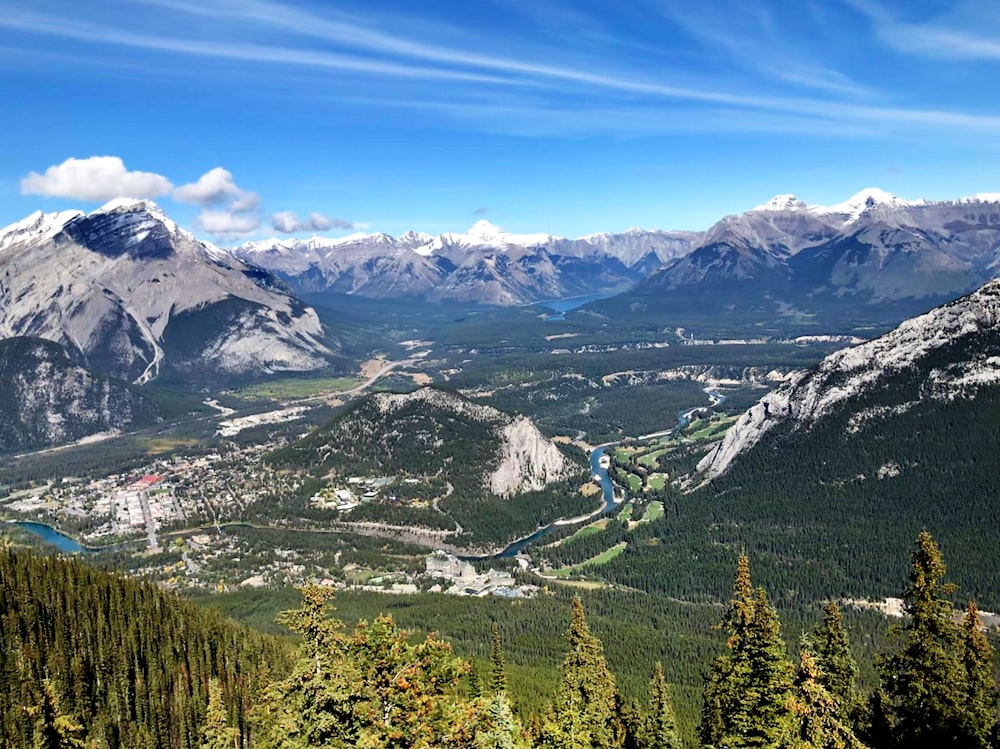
[925,682]
[581,716]
[746,691]
[216,733]
[498,672]
[370,688]
[630,726]
[980,690]
[838,671]
[816,722]
[314,705]
[502,730]
[53,728]
[661,725]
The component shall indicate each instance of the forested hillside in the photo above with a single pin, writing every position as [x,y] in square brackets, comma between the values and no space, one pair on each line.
[93,659]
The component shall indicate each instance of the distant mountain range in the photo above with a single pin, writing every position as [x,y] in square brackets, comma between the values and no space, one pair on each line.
[783,257]
[791,258]
[483,265]
[131,295]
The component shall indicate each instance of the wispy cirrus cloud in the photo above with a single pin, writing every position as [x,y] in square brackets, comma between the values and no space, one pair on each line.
[740,68]
[967,32]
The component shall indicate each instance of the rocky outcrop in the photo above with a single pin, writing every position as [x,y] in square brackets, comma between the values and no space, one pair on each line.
[529,461]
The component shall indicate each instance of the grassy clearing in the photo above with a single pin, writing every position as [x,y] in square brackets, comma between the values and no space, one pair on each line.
[649,459]
[653,512]
[634,483]
[657,481]
[603,558]
[710,428]
[164,445]
[626,512]
[299,388]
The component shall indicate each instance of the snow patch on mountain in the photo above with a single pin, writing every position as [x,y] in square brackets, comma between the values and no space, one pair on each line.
[35,226]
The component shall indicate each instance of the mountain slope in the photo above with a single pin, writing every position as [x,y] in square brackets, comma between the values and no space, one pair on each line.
[129,663]
[133,295]
[432,432]
[446,463]
[950,352]
[828,479]
[46,400]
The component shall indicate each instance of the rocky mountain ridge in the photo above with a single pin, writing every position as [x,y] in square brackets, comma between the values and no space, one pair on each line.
[132,295]
[875,248]
[951,351]
[483,265]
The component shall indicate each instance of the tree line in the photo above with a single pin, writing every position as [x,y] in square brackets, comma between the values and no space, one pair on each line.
[159,672]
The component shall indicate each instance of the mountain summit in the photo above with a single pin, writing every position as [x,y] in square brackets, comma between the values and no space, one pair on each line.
[132,295]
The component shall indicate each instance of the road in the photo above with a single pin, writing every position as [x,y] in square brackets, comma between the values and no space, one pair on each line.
[147,517]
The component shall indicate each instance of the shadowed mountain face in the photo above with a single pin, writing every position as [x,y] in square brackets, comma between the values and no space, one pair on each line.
[134,296]
[46,399]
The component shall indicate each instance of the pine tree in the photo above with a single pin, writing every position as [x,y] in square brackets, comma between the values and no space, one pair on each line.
[371,688]
[980,690]
[837,668]
[746,691]
[53,729]
[816,722]
[503,730]
[215,732]
[925,682]
[498,672]
[661,725]
[581,715]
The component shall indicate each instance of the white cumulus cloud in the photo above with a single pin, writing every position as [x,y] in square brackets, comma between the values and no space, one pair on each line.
[97,179]
[228,223]
[217,186]
[288,222]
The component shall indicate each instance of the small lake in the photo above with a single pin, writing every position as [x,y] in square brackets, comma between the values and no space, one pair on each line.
[51,536]
[560,307]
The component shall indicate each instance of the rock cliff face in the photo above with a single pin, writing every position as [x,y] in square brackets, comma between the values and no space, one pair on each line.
[949,352]
[529,461]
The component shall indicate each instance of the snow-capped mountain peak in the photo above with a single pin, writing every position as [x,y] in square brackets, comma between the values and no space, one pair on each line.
[863,200]
[483,229]
[981,197]
[782,203]
[35,226]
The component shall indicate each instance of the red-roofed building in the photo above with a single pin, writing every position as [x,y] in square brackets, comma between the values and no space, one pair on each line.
[147,481]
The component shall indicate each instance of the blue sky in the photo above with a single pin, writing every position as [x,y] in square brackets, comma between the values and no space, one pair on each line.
[245,118]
